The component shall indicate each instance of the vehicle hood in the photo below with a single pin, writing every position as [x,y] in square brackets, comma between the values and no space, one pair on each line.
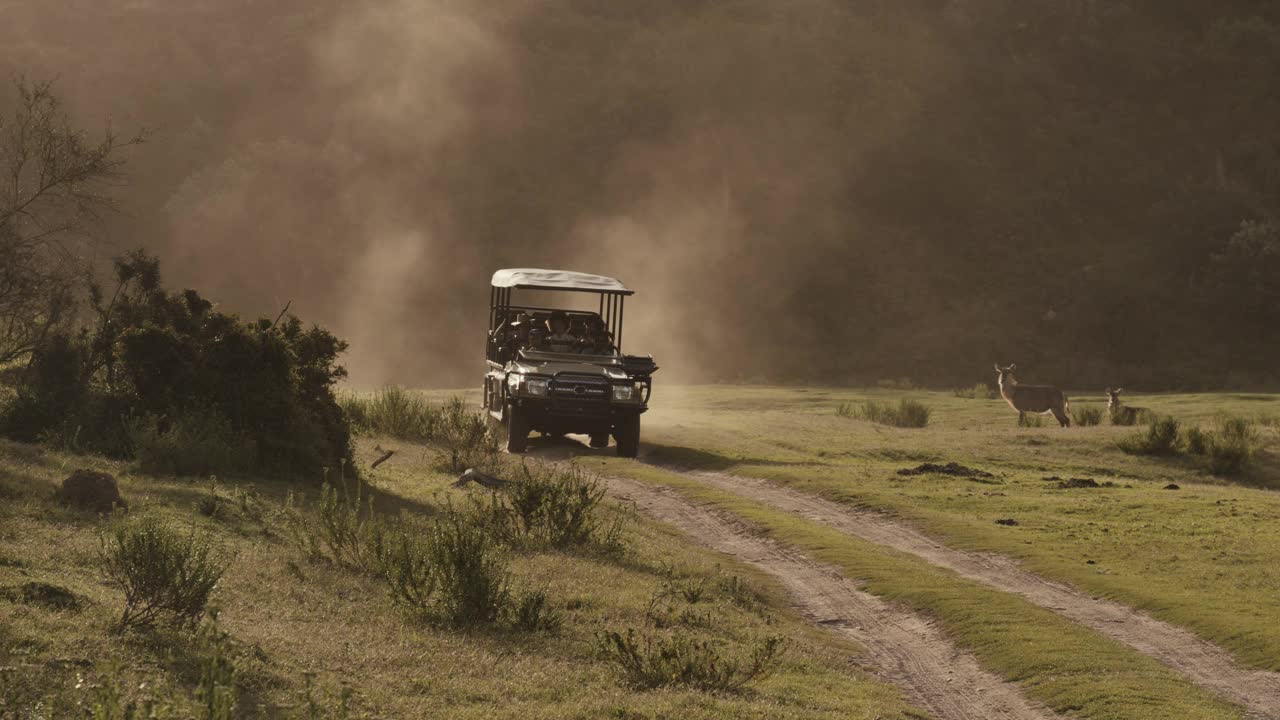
[556,367]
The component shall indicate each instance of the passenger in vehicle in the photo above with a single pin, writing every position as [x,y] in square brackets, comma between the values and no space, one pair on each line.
[561,339]
[599,339]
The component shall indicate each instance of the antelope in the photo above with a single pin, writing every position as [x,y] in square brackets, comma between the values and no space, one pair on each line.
[1121,414]
[1040,399]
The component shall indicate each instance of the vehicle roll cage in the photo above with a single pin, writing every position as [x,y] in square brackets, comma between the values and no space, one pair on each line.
[611,309]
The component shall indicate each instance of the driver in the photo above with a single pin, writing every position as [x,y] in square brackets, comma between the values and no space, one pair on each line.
[561,339]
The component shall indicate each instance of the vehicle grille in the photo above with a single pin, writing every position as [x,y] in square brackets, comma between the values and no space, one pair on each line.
[582,388]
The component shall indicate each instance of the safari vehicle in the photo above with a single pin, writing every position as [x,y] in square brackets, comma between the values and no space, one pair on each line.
[574,381]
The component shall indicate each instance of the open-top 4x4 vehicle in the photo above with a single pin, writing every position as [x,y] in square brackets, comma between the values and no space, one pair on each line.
[562,371]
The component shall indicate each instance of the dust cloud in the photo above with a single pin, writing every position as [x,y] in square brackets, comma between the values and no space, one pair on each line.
[819,190]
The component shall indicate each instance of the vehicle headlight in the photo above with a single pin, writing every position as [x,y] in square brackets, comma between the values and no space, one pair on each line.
[535,387]
[623,392]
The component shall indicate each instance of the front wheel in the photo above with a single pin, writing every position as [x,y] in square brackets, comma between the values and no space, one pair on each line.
[627,433]
[517,430]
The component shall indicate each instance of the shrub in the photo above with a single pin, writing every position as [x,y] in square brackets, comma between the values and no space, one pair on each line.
[465,437]
[1197,441]
[158,354]
[470,575]
[1160,438]
[344,528]
[906,414]
[1086,415]
[199,443]
[980,391]
[450,572]
[1231,448]
[162,572]
[392,411]
[550,506]
[532,612]
[679,660]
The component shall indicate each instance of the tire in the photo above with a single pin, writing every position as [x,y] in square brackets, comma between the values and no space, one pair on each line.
[517,430]
[627,433]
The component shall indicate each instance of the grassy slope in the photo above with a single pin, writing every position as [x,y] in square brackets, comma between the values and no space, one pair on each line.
[1206,557]
[289,617]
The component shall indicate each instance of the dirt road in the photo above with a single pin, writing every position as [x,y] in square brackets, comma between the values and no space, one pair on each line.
[1207,665]
[901,646]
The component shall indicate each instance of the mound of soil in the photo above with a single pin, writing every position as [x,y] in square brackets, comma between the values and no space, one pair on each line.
[89,490]
[44,595]
[1078,483]
[953,469]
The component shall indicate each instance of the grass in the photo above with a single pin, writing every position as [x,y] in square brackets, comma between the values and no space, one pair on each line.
[905,414]
[1069,668]
[303,632]
[1204,557]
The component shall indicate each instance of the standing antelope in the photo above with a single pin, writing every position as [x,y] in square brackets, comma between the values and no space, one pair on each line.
[1121,414]
[1039,399]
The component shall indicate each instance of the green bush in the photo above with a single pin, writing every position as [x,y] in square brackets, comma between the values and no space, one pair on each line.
[1086,415]
[199,443]
[162,572]
[465,438]
[152,353]
[656,660]
[1161,437]
[550,505]
[392,411]
[906,414]
[1231,447]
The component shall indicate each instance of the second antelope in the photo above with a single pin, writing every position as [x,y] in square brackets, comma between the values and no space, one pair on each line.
[1039,399]
[1121,414]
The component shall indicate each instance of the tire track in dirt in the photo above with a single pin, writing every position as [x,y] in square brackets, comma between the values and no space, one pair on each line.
[1204,663]
[902,647]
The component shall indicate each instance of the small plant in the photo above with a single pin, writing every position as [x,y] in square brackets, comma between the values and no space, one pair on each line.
[739,592]
[656,660]
[1162,437]
[906,414]
[471,576]
[1231,447]
[532,612]
[449,573]
[210,503]
[465,438]
[1086,415]
[162,572]
[344,528]
[216,691]
[550,506]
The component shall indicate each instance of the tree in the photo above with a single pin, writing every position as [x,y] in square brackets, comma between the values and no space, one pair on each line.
[54,184]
